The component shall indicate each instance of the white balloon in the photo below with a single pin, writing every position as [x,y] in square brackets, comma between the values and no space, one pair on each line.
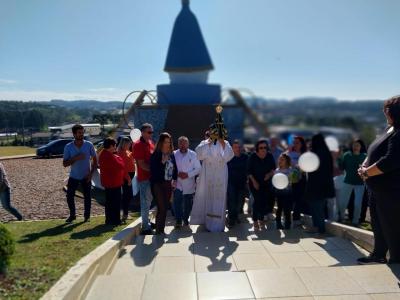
[96,182]
[309,162]
[280,181]
[135,134]
[332,143]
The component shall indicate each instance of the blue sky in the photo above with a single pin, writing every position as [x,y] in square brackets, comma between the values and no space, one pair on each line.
[101,49]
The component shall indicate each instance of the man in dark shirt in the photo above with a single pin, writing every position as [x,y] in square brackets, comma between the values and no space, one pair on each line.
[237,183]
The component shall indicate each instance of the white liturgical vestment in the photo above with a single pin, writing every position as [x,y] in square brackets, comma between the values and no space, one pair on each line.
[209,202]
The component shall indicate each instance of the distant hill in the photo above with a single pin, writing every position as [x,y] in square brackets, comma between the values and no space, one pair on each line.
[311,111]
[88,104]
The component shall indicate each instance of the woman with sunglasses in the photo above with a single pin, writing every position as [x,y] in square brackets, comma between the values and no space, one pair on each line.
[260,169]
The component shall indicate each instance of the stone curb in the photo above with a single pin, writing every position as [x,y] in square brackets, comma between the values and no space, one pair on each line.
[17,156]
[361,237]
[77,281]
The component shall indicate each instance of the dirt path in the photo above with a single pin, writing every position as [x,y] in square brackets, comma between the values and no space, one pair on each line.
[37,190]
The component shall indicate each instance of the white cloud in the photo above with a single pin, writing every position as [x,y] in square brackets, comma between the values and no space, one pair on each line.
[46,95]
[7,81]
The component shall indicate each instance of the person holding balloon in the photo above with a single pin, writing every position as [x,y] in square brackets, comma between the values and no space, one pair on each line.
[260,169]
[320,186]
[283,180]
[300,206]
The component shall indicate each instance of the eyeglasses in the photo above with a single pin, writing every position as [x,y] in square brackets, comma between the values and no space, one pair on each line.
[149,132]
[262,148]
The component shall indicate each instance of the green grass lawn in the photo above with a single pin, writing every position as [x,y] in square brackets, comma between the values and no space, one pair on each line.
[16,150]
[45,250]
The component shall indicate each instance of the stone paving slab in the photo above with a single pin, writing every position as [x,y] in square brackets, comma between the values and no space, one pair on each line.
[126,286]
[276,283]
[170,286]
[325,281]
[378,279]
[223,285]
[243,264]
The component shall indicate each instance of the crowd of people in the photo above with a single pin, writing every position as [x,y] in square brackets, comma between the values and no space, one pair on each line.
[209,186]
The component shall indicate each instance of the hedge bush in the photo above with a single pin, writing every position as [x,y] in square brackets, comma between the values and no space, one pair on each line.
[7,248]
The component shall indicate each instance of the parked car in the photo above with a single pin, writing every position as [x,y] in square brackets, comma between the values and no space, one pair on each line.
[55,147]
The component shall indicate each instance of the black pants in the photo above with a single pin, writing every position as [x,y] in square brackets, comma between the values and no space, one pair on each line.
[113,206]
[162,193]
[71,189]
[317,209]
[270,203]
[236,196]
[300,205]
[385,212]
[262,202]
[285,204]
[127,195]
[364,207]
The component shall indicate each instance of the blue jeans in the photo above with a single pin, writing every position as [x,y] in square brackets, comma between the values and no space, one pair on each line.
[182,206]
[145,202]
[5,197]
[317,209]
[345,193]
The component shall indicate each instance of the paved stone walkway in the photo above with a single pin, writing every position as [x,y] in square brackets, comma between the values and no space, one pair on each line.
[242,264]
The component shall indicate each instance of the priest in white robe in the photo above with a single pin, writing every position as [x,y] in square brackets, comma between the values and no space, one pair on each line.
[209,202]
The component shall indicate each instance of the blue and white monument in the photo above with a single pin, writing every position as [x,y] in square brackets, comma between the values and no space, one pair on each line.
[188,64]
[186,106]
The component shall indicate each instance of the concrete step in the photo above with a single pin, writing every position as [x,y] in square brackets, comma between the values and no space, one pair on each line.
[350,282]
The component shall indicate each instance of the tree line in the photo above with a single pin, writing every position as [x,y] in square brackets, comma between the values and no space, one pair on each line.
[14,115]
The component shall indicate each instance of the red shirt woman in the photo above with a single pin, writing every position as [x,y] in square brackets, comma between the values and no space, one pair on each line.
[127,156]
[112,174]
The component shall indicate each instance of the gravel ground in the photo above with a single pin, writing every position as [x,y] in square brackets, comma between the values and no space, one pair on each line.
[37,190]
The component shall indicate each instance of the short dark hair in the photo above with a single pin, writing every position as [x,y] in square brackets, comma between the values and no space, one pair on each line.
[77,127]
[287,159]
[259,142]
[392,108]
[108,142]
[237,142]
[145,126]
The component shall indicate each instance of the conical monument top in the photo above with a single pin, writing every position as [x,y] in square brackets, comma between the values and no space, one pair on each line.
[187,51]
